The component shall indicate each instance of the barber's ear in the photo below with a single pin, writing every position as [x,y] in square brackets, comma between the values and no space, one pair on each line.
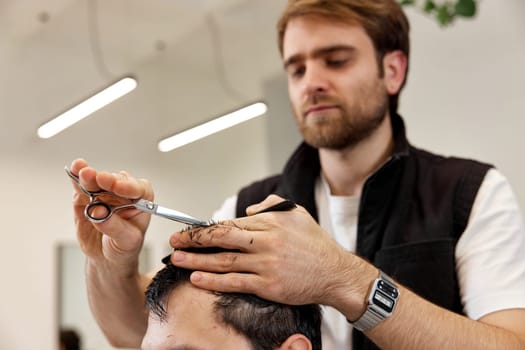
[296,342]
[395,69]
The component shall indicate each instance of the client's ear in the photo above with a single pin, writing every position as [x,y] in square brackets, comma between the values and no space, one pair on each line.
[296,342]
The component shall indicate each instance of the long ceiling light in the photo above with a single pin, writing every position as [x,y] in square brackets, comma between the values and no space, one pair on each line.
[213,126]
[87,107]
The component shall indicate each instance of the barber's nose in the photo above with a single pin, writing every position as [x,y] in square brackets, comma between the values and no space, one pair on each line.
[314,81]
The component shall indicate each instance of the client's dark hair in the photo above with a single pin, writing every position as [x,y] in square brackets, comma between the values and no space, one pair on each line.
[265,324]
[70,339]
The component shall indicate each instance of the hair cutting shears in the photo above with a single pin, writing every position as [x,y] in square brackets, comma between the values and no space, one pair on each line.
[99,200]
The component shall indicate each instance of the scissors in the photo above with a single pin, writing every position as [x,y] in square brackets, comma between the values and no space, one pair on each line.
[95,201]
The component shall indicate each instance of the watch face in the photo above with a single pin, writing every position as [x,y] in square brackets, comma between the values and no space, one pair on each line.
[387,288]
[383,301]
[385,296]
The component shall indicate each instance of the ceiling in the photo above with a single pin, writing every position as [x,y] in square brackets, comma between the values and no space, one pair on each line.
[194,59]
[57,52]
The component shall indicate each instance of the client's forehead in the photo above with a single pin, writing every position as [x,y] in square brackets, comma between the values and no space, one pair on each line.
[190,324]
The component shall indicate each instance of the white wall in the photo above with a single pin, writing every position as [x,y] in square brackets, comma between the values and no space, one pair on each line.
[464,97]
[36,210]
[465,94]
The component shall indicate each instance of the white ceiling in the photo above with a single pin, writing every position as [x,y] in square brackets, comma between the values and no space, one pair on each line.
[195,59]
[54,53]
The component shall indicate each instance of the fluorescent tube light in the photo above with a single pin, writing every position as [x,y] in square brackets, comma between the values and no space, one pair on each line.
[87,107]
[213,126]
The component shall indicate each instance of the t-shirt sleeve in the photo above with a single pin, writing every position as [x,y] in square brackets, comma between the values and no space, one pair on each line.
[490,255]
[227,210]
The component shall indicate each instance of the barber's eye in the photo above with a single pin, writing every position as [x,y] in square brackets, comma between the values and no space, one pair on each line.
[335,63]
[297,72]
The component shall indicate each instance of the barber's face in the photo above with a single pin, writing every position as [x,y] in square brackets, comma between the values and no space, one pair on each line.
[337,93]
[190,324]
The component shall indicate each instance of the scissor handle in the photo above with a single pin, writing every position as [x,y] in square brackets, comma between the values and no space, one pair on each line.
[90,209]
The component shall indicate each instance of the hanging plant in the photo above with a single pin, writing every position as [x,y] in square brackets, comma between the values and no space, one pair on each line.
[444,11]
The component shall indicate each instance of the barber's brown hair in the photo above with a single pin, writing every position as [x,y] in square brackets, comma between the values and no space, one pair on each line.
[383,20]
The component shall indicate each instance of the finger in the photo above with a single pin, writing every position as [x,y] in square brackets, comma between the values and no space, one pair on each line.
[89,239]
[77,164]
[246,234]
[74,169]
[264,219]
[80,198]
[226,234]
[267,202]
[215,262]
[125,237]
[79,203]
[88,179]
[227,283]
[125,185]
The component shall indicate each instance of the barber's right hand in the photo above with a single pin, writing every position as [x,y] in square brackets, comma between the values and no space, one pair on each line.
[117,241]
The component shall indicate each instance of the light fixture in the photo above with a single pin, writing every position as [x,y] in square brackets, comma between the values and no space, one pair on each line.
[213,126]
[87,107]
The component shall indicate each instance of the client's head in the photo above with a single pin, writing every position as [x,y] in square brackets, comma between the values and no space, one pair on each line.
[183,317]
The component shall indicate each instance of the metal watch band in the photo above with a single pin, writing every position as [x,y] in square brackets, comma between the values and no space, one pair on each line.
[381,302]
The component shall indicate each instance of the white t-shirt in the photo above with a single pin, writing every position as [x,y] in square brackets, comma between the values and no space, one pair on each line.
[490,255]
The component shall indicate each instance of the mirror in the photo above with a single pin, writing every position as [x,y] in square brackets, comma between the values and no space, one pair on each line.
[73,308]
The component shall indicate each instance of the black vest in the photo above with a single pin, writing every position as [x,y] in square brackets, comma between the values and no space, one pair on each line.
[412,212]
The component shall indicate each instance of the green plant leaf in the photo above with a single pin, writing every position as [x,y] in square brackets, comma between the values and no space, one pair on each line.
[465,8]
[429,6]
[444,12]
[407,2]
[444,15]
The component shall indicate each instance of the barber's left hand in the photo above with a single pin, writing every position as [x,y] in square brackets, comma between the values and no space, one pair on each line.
[284,256]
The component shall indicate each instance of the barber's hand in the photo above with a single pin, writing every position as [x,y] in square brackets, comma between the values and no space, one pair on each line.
[119,240]
[284,257]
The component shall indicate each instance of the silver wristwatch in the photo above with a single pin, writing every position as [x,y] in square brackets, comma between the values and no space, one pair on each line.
[381,303]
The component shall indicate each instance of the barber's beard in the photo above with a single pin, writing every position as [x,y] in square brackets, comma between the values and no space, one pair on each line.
[348,125]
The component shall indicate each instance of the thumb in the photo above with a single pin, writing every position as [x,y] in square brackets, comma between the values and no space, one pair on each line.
[268,202]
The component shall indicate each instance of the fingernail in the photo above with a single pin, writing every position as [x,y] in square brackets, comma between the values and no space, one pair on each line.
[196,277]
[177,256]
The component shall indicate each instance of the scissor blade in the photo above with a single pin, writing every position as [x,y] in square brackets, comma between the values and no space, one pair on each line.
[171,214]
[77,180]
[71,175]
